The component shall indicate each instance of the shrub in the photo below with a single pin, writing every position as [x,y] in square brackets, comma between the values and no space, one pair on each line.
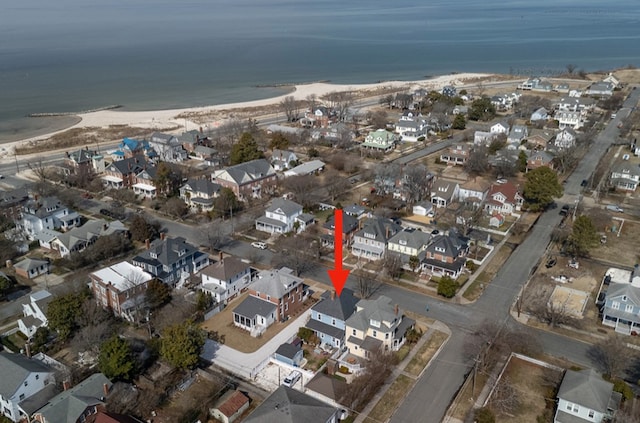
[471,265]
[447,287]
[621,386]
[305,334]
[484,415]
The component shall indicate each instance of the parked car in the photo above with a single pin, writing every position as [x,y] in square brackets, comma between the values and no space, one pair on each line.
[291,380]
[615,208]
[573,263]
[550,263]
[565,210]
[259,244]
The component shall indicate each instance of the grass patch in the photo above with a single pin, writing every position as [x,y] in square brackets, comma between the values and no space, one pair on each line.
[474,290]
[13,342]
[425,353]
[390,400]
[403,352]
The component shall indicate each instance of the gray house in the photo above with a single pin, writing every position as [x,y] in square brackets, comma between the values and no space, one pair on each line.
[328,316]
[585,397]
[622,307]
[371,241]
[290,354]
[288,405]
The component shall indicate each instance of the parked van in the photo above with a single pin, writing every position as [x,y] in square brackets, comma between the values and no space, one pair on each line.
[292,379]
[614,208]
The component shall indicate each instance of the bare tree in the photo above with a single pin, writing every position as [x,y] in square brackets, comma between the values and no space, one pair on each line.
[366,283]
[612,354]
[505,398]
[42,172]
[302,187]
[537,303]
[337,185]
[386,176]
[294,254]
[215,237]
[387,100]
[312,101]
[477,162]
[566,159]
[393,265]
[290,107]
[340,101]
[379,119]
[416,181]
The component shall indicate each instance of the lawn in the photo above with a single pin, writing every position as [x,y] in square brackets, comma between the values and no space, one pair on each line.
[240,339]
[425,353]
[620,249]
[390,400]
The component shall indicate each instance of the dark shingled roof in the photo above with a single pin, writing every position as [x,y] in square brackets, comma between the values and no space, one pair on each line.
[15,368]
[288,350]
[341,307]
[287,405]
[252,306]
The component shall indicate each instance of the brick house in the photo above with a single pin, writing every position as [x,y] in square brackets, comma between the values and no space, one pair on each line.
[247,180]
[445,255]
[122,173]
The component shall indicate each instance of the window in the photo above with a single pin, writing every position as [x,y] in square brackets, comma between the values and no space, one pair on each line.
[21,397]
[615,305]
[386,335]
[26,383]
[628,308]
[592,413]
[37,377]
[375,333]
[333,322]
[353,332]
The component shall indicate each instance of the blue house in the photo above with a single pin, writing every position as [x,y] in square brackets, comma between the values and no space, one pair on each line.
[290,354]
[622,307]
[328,317]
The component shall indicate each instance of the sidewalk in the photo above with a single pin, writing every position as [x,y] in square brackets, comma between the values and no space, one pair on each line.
[399,369]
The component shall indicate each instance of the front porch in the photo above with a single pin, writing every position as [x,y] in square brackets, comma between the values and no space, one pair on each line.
[620,325]
[147,191]
[367,251]
[272,226]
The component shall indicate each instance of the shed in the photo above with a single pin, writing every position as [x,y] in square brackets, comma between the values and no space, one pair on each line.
[230,406]
[289,354]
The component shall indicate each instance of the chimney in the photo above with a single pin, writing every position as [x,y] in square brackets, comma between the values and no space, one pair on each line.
[221,255]
[147,243]
[333,295]
[162,236]
[396,310]
[105,389]
[67,154]
[27,349]
[8,263]
[386,232]
[66,385]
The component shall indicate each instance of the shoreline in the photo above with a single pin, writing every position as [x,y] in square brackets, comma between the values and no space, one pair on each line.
[170,117]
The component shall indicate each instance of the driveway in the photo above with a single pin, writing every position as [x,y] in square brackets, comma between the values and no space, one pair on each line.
[248,364]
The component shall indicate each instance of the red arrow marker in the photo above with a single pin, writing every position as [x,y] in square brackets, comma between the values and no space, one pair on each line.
[338,275]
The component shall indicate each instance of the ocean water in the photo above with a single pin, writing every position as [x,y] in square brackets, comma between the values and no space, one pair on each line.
[74,55]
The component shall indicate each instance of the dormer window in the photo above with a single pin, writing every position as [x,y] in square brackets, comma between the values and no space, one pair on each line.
[439,249]
[182,252]
[402,242]
[368,235]
[374,323]
[153,255]
[624,298]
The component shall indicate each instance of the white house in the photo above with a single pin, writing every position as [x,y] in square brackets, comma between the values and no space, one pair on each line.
[584,396]
[23,378]
[568,119]
[380,140]
[409,242]
[625,176]
[46,213]
[281,159]
[504,199]
[565,138]
[34,313]
[423,209]
[226,278]
[168,147]
[483,138]
[280,217]
[601,89]
[539,114]
[474,190]
[499,128]
[444,192]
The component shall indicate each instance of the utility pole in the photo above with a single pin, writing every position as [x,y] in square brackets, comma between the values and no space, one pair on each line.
[15,156]
[231,218]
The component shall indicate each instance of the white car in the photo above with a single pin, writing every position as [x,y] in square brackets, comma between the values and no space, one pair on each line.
[260,245]
[291,380]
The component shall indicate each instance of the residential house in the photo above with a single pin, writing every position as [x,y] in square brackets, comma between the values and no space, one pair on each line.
[504,198]
[460,110]
[199,194]
[290,354]
[584,396]
[410,129]
[540,114]
[349,228]
[145,182]
[191,139]
[444,192]
[230,406]
[376,325]
[505,157]
[500,128]
[12,202]
[625,176]
[575,104]
[319,116]
[370,242]
[408,243]
[562,88]
[304,221]
[247,180]
[484,138]
[168,148]
[275,295]
[27,383]
[539,138]
[446,255]
[538,159]
[621,309]
[35,313]
[30,268]
[79,403]
[121,288]
[46,213]
[79,238]
[380,140]
[423,209]
[611,78]
[122,173]
[171,260]
[449,91]
[457,154]
[473,191]
[536,84]
[225,279]
[566,119]
[517,134]
[108,417]
[329,315]
[279,217]
[130,147]
[283,159]
[565,139]
[601,89]
[307,168]
[84,162]
[288,405]
[207,154]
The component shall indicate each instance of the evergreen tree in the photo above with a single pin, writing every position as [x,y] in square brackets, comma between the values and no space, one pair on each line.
[116,359]
[541,187]
[181,345]
[246,149]
[584,236]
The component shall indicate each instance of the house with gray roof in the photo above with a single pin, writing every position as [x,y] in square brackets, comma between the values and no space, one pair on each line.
[329,315]
[199,194]
[444,192]
[349,228]
[539,114]
[279,217]
[247,180]
[32,267]
[281,159]
[122,173]
[289,353]
[625,176]
[584,396]
[409,242]
[622,306]
[84,162]
[168,147]
[76,403]
[517,134]
[24,379]
[79,238]
[370,242]
[601,89]
[565,138]
[376,325]
[46,213]
[254,315]
[288,405]
[225,279]
[446,255]
[171,260]
[35,313]
[307,168]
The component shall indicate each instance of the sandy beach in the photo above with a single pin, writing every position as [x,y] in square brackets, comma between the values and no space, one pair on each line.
[169,118]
